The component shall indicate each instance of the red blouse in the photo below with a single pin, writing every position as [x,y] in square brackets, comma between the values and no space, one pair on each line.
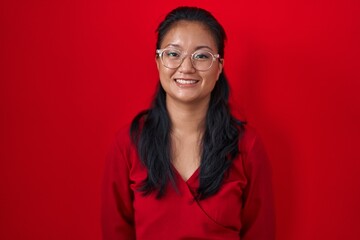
[242,209]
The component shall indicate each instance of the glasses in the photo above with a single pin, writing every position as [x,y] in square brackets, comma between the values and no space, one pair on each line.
[201,60]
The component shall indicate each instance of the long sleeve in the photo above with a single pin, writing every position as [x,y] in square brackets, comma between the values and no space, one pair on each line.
[258,217]
[117,214]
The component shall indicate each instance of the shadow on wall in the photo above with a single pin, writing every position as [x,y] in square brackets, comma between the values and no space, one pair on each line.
[253,78]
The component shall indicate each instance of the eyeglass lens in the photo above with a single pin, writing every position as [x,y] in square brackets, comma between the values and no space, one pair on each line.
[201,60]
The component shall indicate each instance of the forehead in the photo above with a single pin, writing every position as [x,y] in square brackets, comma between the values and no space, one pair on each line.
[189,35]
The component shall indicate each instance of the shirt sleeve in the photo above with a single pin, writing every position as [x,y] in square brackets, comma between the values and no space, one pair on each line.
[258,215]
[117,214]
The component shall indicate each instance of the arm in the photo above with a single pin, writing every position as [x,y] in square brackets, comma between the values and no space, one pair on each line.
[258,216]
[117,214]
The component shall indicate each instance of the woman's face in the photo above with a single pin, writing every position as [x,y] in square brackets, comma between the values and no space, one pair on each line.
[186,84]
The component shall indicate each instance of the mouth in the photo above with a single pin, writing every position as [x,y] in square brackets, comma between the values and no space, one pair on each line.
[185,82]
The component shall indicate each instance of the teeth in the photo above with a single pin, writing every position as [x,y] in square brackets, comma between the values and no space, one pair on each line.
[182,81]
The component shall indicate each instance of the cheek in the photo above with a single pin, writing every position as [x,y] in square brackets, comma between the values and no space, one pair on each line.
[213,76]
[210,81]
[165,74]
[166,80]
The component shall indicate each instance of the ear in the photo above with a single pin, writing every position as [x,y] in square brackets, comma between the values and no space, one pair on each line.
[221,60]
[158,62]
[220,66]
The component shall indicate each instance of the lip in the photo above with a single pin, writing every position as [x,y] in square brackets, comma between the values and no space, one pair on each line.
[186,82]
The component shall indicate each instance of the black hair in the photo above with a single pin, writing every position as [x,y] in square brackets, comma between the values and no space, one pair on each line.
[150,129]
[197,15]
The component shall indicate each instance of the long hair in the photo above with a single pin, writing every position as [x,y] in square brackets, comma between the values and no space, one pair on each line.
[150,129]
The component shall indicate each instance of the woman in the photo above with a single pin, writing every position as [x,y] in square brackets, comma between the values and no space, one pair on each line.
[186,168]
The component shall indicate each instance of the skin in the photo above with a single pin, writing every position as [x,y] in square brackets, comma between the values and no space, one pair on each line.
[187,104]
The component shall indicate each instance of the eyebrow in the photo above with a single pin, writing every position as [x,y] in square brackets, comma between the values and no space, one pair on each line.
[197,48]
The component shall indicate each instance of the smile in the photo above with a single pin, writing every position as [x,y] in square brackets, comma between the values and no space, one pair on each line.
[186,81]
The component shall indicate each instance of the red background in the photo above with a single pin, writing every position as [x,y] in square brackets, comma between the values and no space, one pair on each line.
[73,72]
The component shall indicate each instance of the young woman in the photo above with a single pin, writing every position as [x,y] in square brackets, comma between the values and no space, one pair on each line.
[186,168]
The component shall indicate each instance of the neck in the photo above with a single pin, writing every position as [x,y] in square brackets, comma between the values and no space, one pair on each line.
[187,119]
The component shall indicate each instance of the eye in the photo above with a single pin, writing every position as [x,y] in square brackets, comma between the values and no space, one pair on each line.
[172,54]
[202,56]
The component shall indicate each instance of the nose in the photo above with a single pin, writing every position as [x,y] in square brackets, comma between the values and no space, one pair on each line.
[186,65]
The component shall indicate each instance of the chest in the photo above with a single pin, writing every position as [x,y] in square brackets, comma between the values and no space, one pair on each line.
[186,156]
[182,214]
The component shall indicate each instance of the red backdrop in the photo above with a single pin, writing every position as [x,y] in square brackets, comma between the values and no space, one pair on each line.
[71,76]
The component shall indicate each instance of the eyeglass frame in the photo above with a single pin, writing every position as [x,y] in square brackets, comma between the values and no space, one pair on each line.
[160,52]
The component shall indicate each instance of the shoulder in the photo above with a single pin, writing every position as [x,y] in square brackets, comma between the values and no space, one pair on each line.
[121,144]
[248,134]
[122,150]
[122,136]
[252,148]
[248,138]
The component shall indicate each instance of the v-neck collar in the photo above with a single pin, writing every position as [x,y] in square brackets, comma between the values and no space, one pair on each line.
[192,180]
